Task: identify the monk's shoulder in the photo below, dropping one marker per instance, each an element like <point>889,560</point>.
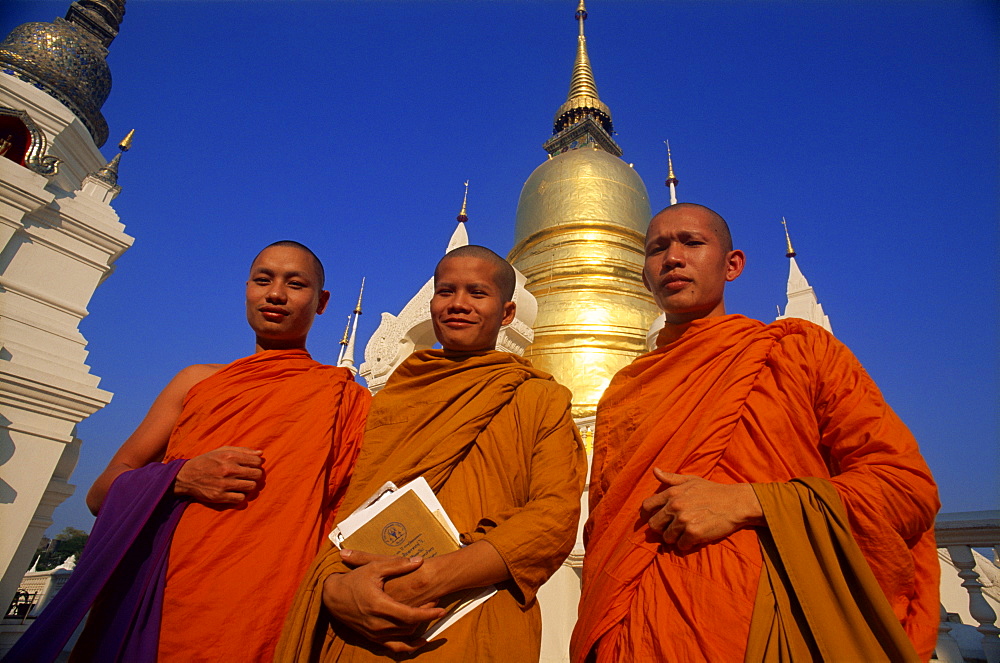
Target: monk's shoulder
<point>543,395</point>
<point>195,373</point>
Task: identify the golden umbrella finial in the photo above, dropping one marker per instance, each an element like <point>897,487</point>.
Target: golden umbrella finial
<point>126,143</point>
<point>462,217</point>
<point>671,178</point>
<point>788,240</point>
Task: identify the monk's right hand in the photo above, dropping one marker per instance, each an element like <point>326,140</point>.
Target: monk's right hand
<point>357,600</point>
<point>222,476</point>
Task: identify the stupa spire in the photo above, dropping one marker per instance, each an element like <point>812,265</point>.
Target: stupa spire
<point>344,339</point>
<point>109,173</point>
<point>672,181</point>
<point>583,119</point>
<point>462,216</point>
<point>347,359</point>
<point>790,253</point>
<point>802,301</point>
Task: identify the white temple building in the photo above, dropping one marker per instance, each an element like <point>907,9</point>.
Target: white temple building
<point>60,238</point>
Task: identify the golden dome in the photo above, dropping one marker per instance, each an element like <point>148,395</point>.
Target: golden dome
<point>580,230</point>
<point>585,185</point>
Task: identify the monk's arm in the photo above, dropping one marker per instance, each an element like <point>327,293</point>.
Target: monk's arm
<point>476,565</point>
<point>200,478</point>
<point>875,461</point>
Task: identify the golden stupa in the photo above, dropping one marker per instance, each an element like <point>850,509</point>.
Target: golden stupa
<point>579,235</point>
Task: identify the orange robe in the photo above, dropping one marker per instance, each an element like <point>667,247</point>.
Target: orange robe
<point>232,572</point>
<point>495,439</point>
<point>737,401</point>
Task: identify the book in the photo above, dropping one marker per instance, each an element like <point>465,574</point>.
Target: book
<point>407,522</point>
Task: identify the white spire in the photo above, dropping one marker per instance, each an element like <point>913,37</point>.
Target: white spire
<point>802,301</point>
<point>347,357</point>
<point>672,181</point>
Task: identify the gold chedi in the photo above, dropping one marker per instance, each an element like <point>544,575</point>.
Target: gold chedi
<point>580,228</point>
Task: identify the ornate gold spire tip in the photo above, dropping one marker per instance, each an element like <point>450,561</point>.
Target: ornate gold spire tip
<point>357,309</point>
<point>462,216</point>
<point>788,240</point>
<point>347,331</point>
<point>671,178</point>
<point>126,143</point>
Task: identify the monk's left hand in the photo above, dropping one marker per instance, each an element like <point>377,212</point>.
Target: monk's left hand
<point>692,511</point>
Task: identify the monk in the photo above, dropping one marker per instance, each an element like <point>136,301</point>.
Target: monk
<point>246,464</point>
<point>495,439</point>
<point>752,496</point>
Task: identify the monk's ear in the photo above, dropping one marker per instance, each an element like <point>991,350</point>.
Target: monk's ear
<point>645,281</point>
<point>509,311</point>
<point>324,299</point>
<point>735,261</point>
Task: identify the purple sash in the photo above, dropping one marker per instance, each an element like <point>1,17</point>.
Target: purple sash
<point>121,574</point>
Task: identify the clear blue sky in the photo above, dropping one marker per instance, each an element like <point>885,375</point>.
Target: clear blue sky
<point>871,126</point>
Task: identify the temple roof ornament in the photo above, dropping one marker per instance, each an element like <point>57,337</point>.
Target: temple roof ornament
<point>671,181</point>
<point>109,173</point>
<point>347,353</point>
<point>583,119</point>
<point>790,253</point>
<point>29,143</point>
<point>67,58</point>
<point>462,216</point>
<point>802,301</point>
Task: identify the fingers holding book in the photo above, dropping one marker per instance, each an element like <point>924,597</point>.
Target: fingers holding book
<point>358,599</point>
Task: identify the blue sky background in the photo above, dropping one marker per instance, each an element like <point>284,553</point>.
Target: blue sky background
<point>351,126</point>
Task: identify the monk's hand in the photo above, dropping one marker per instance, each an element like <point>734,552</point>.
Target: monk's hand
<point>690,511</point>
<point>358,600</point>
<point>222,476</point>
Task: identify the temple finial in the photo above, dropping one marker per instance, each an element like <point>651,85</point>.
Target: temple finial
<point>462,217</point>
<point>347,356</point>
<point>126,143</point>
<point>582,100</point>
<point>344,339</point>
<point>788,240</point>
<point>109,173</point>
<point>672,180</point>
<point>361,293</point>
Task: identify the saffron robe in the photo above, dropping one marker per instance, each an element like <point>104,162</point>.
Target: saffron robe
<point>232,571</point>
<point>496,442</point>
<point>736,401</point>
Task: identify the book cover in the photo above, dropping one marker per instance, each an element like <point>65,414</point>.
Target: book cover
<point>405,528</point>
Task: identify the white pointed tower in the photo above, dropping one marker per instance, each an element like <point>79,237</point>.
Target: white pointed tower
<point>60,237</point>
<point>671,181</point>
<point>802,302</point>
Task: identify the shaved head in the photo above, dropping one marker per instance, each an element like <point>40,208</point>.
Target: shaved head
<point>503,273</point>
<point>317,263</point>
<point>718,224</point>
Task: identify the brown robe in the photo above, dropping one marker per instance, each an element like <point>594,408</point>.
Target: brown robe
<point>495,439</point>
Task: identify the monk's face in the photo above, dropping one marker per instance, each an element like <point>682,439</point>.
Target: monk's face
<point>468,308</point>
<point>283,297</point>
<point>687,265</point>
